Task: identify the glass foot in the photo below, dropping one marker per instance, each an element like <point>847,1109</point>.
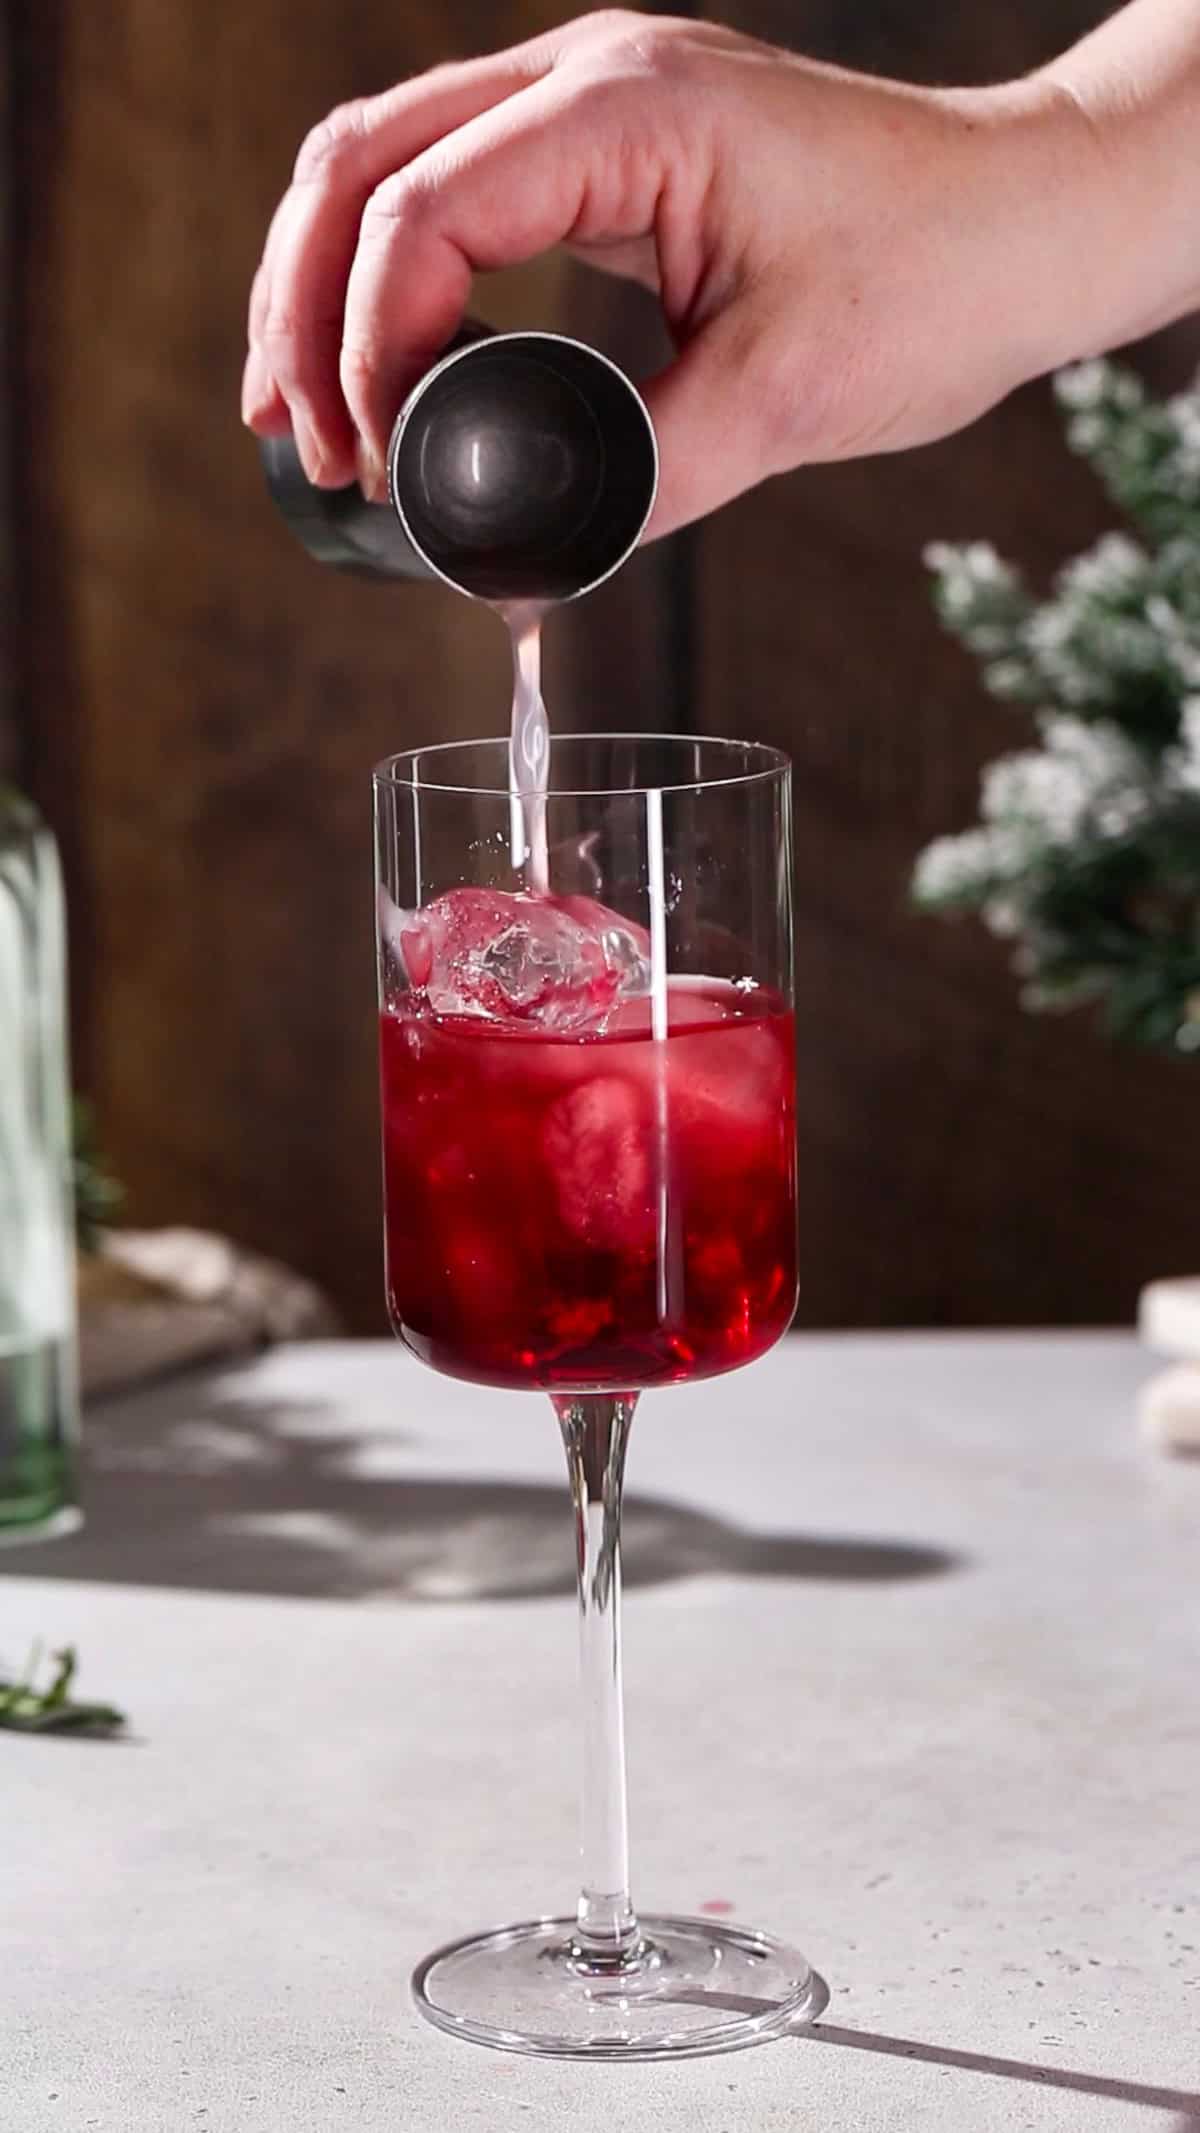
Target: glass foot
<point>47,1526</point>
<point>693,1987</point>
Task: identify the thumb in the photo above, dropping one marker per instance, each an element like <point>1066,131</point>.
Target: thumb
<point>712,419</point>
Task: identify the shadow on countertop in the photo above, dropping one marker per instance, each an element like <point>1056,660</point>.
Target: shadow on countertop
<point>187,1486</point>
<point>1109,2088</point>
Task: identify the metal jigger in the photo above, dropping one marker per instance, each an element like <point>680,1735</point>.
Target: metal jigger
<point>522,467</point>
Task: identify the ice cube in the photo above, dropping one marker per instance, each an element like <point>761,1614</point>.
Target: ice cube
<point>729,1099</point>
<point>559,964</point>
<point>484,1279</point>
<point>626,946</point>
<point>597,1144</point>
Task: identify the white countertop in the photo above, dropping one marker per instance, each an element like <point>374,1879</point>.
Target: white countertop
<point>913,1673</point>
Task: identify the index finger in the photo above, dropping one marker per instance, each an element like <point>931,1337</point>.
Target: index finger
<point>296,314</point>
<point>538,169</point>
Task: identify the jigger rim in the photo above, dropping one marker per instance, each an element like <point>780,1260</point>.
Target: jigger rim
<point>489,343</point>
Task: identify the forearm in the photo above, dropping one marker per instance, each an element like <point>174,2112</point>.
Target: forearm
<point>1127,133</point>
<point>846,265</point>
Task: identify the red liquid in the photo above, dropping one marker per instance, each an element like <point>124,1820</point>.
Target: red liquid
<point>594,1213</point>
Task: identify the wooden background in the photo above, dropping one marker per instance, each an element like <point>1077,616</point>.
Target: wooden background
<point>197,707</point>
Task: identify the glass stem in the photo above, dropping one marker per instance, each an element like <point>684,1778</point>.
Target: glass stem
<point>595,1429</point>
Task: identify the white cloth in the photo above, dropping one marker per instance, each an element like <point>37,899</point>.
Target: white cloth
<point>153,1301</point>
<point>1169,1406</point>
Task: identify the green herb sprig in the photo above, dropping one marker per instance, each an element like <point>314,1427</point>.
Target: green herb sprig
<point>26,1708</point>
<point>98,1194</point>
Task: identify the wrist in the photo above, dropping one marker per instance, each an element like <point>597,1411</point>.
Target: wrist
<point>1107,201</point>
<point>1046,212</point>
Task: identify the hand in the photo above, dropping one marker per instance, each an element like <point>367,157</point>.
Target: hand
<point>846,265</point>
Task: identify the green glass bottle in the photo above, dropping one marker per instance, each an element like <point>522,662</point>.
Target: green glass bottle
<point>39,1405</point>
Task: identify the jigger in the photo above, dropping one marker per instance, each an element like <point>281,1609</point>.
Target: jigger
<point>522,467</point>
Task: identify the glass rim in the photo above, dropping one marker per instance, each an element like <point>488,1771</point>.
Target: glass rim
<point>771,763</point>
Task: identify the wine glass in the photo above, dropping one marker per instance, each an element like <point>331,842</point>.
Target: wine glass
<point>589,1177</point>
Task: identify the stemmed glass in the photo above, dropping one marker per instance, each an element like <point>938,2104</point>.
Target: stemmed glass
<point>589,1170</point>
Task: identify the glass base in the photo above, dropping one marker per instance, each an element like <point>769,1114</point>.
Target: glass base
<point>693,1987</point>
<point>43,1526</point>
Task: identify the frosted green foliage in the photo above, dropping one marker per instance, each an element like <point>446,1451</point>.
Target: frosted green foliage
<point>1087,853</point>
<point>1146,452</point>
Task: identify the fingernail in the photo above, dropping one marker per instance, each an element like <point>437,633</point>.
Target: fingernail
<point>258,388</point>
<point>312,458</point>
<point>372,475</point>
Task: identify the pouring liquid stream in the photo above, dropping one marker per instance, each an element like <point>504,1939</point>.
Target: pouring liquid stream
<point>528,781</point>
<point>529,747</point>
